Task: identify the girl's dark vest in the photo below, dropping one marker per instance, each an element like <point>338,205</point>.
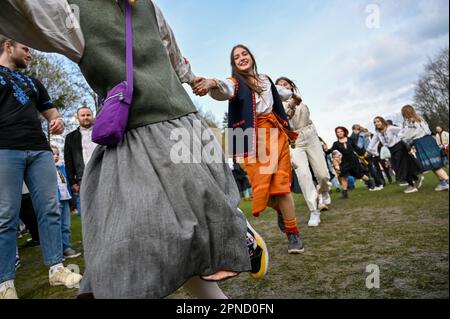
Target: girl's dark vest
<point>242,119</point>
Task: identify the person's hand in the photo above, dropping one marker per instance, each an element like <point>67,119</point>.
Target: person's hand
<point>197,81</point>
<point>201,88</point>
<point>76,188</point>
<point>57,126</point>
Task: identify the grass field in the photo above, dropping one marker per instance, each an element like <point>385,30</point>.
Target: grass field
<point>407,236</point>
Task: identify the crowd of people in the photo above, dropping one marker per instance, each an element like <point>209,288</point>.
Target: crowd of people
<point>150,225</point>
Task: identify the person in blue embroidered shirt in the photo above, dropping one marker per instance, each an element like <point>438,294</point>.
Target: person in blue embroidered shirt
<point>25,155</point>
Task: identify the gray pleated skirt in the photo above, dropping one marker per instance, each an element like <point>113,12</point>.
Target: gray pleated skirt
<point>149,224</point>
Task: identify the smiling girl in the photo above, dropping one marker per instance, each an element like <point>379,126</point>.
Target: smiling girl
<point>256,108</point>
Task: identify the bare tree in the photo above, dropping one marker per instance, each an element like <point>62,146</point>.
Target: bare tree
<point>432,91</point>
<point>64,83</point>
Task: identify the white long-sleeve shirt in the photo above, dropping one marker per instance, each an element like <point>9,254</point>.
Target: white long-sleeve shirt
<point>389,138</point>
<point>264,102</point>
<point>302,116</point>
<point>413,131</point>
<point>43,25</point>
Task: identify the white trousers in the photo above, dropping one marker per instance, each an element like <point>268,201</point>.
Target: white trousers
<point>308,151</point>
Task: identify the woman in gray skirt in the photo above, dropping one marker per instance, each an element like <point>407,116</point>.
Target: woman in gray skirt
<point>159,212</point>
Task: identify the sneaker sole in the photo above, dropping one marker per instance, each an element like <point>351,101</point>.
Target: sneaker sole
<point>72,257</point>
<point>296,251</point>
<point>265,257</point>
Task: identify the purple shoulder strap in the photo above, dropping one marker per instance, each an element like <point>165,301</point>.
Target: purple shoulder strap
<point>129,40</point>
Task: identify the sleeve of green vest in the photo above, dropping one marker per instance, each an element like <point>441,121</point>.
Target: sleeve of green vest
<point>180,64</point>
<point>45,25</point>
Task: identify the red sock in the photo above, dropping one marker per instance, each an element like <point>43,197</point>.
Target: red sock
<point>291,226</point>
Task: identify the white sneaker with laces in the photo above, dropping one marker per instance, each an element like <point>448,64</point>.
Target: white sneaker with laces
<point>314,221</point>
<point>443,186</point>
<point>64,277</point>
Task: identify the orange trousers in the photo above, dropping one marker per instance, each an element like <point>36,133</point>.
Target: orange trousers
<point>269,169</point>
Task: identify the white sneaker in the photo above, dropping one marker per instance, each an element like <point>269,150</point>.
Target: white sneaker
<point>8,293</point>
<point>376,189</point>
<point>326,198</point>
<point>419,183</point>
<point>314,221</point>
<point>411,190</point>
<point>442,187</point>
<point>64,277</point>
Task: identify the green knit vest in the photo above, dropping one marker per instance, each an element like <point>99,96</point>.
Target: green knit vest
<point>158,93</point>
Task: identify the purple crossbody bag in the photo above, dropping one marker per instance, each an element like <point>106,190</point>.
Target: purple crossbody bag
<point>112,120</point>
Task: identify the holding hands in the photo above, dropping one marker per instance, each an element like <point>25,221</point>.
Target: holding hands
<point>202,86</point>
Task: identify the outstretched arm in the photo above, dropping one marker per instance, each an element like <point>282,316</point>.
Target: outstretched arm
<point>217,89</point>
<point>372,148</point>
<point>45,25</point>
<point>179,63</point>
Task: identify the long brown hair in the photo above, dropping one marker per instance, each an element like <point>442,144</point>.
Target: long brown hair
<point>383,121</point>
<point>246,77</point>
<point>410,114</point>
<point>291,83</point>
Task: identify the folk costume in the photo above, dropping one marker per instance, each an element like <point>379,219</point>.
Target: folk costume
<point>149,224</point>
<point>265,147</point>
<point>428,153</point>
<point>404,165</point>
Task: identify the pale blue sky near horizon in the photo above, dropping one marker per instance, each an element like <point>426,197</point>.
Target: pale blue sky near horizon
<point>347,72</point>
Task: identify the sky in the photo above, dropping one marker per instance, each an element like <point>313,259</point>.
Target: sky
<point>352,59</point>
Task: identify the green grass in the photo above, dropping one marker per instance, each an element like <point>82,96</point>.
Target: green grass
<point>407,236</point>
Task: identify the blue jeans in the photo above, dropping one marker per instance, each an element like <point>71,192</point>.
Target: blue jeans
<point>76,197</point>
<point>64,209</point>
<point>38,171</point>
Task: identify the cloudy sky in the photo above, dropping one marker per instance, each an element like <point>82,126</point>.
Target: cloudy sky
<point>353,59</point>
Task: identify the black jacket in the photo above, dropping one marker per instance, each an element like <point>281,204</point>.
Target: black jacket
<point>73,157</point>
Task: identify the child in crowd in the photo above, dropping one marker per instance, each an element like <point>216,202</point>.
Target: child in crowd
<point>64,197</point>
